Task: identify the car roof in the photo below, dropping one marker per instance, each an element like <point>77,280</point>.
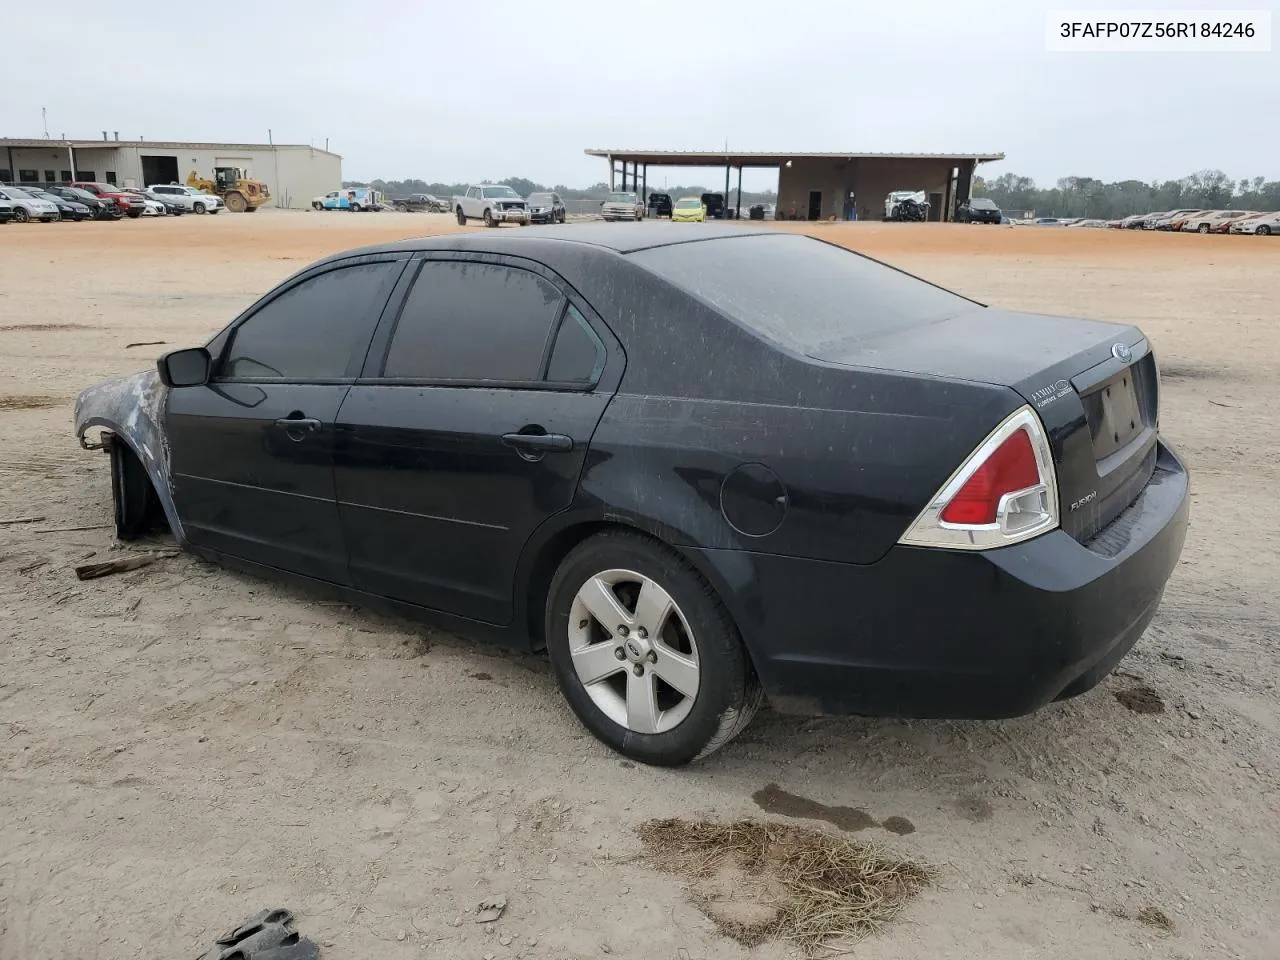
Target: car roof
<point>614,237</point>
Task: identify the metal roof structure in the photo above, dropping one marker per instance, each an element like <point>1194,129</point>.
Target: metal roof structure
<point>39,142</point>
<point>737,158</point>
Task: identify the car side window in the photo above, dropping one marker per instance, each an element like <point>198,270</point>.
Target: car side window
<point>311,330</point>
<point>473,321</point>
<point>578,355</point>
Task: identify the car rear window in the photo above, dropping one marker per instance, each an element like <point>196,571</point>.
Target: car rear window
<point>805,294</point>
<point>982,203</point>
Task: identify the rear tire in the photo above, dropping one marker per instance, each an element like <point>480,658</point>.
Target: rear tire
<point>625,576</point>
<point>462,218</point>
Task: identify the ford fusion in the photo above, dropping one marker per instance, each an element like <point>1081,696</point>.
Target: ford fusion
<point>699,470</point>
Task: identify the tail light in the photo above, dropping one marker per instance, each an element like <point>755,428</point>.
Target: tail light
<point>1004,493</point>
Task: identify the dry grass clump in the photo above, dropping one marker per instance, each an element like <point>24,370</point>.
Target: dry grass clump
<point>1155,917</point>
<point>759,881</point>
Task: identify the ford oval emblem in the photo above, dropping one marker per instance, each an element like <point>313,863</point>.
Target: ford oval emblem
<point>1121,352</point>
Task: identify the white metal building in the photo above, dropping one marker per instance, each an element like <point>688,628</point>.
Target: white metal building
<point>293,173</point>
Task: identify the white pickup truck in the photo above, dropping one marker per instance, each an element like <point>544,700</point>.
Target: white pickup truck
<point>494,203</point>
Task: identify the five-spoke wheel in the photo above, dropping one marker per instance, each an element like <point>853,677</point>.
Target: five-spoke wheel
<point>645,652</point>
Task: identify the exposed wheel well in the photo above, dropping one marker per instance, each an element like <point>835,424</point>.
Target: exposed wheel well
<point>136,505</point>
<point>544,568</point>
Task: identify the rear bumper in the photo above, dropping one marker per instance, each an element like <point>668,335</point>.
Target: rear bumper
<point>937,633</point>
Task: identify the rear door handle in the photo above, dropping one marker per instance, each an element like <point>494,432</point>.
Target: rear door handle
<point>296,427</point>
<point>539,442</point>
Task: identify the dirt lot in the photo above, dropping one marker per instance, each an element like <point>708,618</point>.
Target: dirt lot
<point>181,746</point>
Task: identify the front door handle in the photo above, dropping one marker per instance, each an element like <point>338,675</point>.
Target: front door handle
<point>539,442</point>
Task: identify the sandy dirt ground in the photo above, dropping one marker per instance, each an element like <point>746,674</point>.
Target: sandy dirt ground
<point>182,746</point>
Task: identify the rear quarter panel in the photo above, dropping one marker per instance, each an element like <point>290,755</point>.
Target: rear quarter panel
<point>858,452</point>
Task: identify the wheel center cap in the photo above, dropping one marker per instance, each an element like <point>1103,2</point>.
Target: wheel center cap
<point>636,648</point>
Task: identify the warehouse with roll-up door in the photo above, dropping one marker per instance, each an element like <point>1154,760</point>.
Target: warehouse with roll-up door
<point>293,173</point>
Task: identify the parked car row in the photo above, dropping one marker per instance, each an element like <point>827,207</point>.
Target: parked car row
<point>1185,221</point>
<point>1202,221</point>
<point>90,200</point>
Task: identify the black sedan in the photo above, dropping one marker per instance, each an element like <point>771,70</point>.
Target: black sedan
<point>697,470</point>
<point>67,209</point>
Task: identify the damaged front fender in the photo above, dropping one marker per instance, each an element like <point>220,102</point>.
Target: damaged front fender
<point>132,410</point>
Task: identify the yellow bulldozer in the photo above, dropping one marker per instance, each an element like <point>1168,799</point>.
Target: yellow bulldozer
<point>238,192</point>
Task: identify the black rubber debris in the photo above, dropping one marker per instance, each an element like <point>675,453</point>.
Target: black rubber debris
<point>268,935</point>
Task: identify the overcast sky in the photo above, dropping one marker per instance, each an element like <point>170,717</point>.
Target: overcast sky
<point>454,92</point>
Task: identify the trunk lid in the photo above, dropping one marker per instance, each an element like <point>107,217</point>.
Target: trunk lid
<point>1093,384</point>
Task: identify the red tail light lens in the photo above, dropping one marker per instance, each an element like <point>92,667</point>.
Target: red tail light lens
<point>1005,492</point>
<point>1010,469</point>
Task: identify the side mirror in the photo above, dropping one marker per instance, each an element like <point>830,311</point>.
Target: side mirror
<point>185,368</point>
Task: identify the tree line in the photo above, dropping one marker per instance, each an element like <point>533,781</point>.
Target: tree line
<point>524,187</point>
<point>1089,197</point>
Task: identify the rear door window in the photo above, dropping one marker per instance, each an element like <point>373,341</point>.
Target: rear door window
<point>805,294</point>
<point>313,330</point>
<point>473,322</point>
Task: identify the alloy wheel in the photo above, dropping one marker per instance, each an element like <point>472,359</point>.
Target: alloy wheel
<point>633,651</point>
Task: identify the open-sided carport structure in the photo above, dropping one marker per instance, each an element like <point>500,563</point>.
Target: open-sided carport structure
<point>818,186</point>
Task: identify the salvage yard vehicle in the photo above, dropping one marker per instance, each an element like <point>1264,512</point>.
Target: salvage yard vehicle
<point>1206,221</point>
<point>978,210</point>
<point>494,203</point>
<point>27,207</point>
<point>905,205</point>
<point>660,205</point>
<point>188,198</point>
<point>415,202</point>
<point>622,205</point>
<point>713,206</point>
<point>688,210</point>
<point>102,208</point>
<point>131,204</point>
<point>151,206</point>
<point>1262,225</point>
<point>67,209</point>
<point>546,207</point>
<point>520,438</point>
